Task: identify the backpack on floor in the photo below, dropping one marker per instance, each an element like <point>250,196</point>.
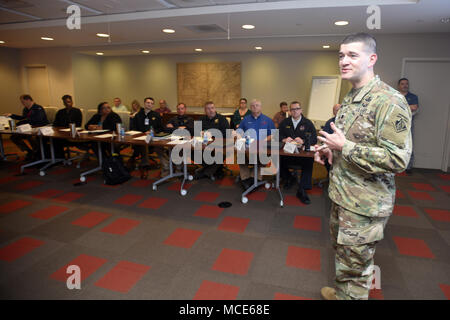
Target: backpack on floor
<point>114,172</point>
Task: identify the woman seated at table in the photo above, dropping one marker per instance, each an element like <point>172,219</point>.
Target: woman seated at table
<point>104,119</point>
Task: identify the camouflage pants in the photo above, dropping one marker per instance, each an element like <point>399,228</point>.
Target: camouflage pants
<point>354,238</point>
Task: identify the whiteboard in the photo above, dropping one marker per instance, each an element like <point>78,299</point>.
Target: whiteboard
<point>324,95</point>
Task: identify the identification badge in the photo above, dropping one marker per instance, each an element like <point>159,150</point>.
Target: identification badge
<point>302,128</point>
<point>216,121</point>
<point>147,122</point>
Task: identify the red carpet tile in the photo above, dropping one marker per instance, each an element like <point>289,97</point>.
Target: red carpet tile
<point>257,195</point>
<point>446,290</point>
<point>142,183</point>
<point>216,291</point>
<point>129,199</point>
<point>285,296</point>
<point>208,211</point>
<point>303,258</point>
<point>402,174</point>
<point>399,194</point>
<point>69,197</point>
<point>176,186</point>
<point>8,179</point>
<point>88,265</point>
<point>207,196</point>
<point>123,276</point>
<point>91,219</point>
<point>423,186</point>
<point>153,203</point>
<point>13,206</point>
<point>233,261</point>
<point>315,191</point>
<point>444,176</point>
<point>308,223</point>
<point>413,247</point>
<point>48,212</point>
<point>121,226</point>
<point>226,182</point>
<point>420,195</point>
<point>155,174</point>
<point>376,294</point>
<point>405,211</point>
<point>47,194</point>
<point>19,248</point>
<point>183,238</point>
<point>233,224</point>
<point>446,188</point>
<point>293,201</point>
<point>439,215</point>
<point>60,171</point>
<point>28,185</point>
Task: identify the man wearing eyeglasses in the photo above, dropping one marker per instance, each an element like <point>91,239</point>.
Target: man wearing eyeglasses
<point>297,129</point>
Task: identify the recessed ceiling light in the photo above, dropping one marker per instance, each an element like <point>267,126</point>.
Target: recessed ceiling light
<point>145,51</point>
<point>168,30</point>
<point>258,48</point>
<point>47,38</point>
<point>99,53</point>
<point>341,23</point>
<point>103,35</point>
<point>1,41</point>
<point>325,47</point>
<point>248,26</point>
<point>199,50</point>
<point>445,20</point>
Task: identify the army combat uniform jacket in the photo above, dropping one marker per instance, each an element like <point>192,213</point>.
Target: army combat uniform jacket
<point>376,121</point>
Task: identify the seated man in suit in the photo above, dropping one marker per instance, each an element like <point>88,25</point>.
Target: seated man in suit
<point>180,121</point>
<point>212,120</point>
<point>64,117</point>
<point>145,120</point>
<point>104,119</point>
<point>297,129</point>
<point>34,115</point>
<point>262,125</point>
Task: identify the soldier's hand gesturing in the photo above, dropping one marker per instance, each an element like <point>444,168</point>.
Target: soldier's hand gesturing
<point>333,141</point>
<point>323,154</point>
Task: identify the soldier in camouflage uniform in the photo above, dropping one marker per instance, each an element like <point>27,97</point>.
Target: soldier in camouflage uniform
<point>371,142</point>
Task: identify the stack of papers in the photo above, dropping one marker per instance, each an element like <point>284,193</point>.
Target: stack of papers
<point>132,133</point>
<point>140,138</point>
<point>107,135</point>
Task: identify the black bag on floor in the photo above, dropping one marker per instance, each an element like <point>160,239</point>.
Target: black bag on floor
<point>114,172</point>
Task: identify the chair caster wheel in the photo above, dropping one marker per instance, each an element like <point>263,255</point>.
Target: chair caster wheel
<point>213,179</point>
<point>244,200</point>
<point>154,188</point>
<point>42,173</point>
<point>190,177</point>
<point>267,185</point>
<point>183,192</point>
<point>281,203</point>
<point>83,179</point>
<point>69,163</point>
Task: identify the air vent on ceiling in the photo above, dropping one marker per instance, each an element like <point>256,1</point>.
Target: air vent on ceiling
<point>205,28</point>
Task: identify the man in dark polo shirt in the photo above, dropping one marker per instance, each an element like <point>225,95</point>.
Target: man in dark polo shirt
<point>180,121</point>
<point>64,117</point>
<point>212,120</point>
<point>413,101</point>
<point>297,129</point>
<point>34,115</point>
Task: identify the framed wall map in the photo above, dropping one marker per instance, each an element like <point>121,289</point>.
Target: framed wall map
<point>216,81</point>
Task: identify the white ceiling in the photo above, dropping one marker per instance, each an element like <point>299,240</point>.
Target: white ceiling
<point>281,25</point>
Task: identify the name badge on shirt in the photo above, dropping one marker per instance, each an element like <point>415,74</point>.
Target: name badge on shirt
<point>146,122</point>
<point>153,118</point>
<point>302,128</point>
<point>287,127</point>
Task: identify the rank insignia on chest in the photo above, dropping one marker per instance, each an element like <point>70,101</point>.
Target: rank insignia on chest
<point>302,128</point>
<point>400,123</point>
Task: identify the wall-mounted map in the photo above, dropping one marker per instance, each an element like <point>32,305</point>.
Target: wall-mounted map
<point>200,82</point>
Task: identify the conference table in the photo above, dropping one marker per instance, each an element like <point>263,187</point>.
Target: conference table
<point>104,136</point>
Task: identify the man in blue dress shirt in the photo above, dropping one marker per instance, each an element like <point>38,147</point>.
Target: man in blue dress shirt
<point>261,124</point>
<point>413,101</point>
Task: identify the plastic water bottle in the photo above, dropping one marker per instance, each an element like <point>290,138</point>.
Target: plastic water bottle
<point>247,140</point>
<point>205,138</point>
<point>152,133</point>
<point>122,132</point>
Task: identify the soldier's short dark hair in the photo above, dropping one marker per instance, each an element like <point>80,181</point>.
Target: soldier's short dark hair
<point>208,102</point>
<point>402,80</point>
<point>283,103</point>
<point>370,44</point>
<point>66,96</point>
<point>296,102</point>
<point>149,98</point>
<point>26,97</point>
